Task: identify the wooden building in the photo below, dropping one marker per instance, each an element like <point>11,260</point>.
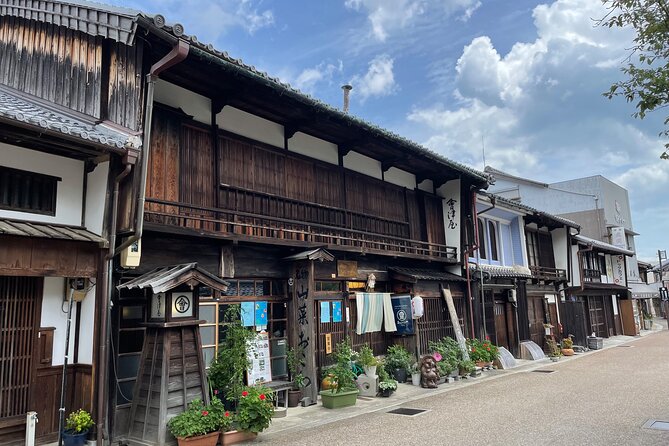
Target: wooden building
<point>294,203</point>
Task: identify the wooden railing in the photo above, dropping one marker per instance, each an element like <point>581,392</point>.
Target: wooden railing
<point>235,224</point>
<point>546,273</point>
<point>592,275</point>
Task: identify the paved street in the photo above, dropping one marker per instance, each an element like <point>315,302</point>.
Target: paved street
<point>603,398</point>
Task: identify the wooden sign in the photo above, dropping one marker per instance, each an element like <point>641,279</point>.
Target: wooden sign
<point>448,297</point>
<point>328,343</point>
<point>347,268</point>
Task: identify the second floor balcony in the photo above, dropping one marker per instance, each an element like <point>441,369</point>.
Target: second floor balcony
<point>548,273</point>
<point>592,275</point>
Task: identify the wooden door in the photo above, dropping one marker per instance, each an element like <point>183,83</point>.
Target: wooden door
<point>596,316</point>
<point>20,306</point>
<point>501,330</point>
<point>536,315</point>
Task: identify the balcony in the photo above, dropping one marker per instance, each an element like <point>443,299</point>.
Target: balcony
<point>230,224</point>
<point>546,273</point>
<point>592,275</point>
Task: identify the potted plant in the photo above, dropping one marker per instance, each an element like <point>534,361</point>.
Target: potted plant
<point>397,361</point>
<point>465,367</point>
<point>553,350</point>
<point>415,374</point>
<point>387,387</point>
<point>196,426</point>
<point>343,391</point>
<point>567,345</point>
<point>223,416</point>
<point>367,360</point>
<point>647,321</point>
<point>254,414</point>
<point>77,425</point>
<point>294,359</point>
<point>448,355</point>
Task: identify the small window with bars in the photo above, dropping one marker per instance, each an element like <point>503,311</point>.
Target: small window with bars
<point>25,191</point>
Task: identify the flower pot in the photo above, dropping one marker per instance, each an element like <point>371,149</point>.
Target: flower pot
<point>400,375</point>
<point>327,383</point>
<point>386,392</point>
<point>554,358</point>
<point>72,439</point>
<point>370,370</point>
<point>294,397</point>
<point>209,439</point>
<point>234,437</point>
<point>415,379</point>
<point>568,351</point>
<point>481,364</point>
<point>335,400</point>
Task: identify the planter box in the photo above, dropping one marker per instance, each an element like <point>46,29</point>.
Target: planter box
<point>336,400</point>
<point>595,343</point>
<point>234,437</point>
<point>202,440</point>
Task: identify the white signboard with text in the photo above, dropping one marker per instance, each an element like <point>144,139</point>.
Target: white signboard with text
<point>618,269</point>
<point>260,370</point>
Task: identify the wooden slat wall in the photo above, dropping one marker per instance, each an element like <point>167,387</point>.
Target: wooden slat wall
<point>413,214</point>
<point>125,85</point>
<point>197,184</point>
<point>54,63</point>
<point>434,219</point>
<point>163,175</point>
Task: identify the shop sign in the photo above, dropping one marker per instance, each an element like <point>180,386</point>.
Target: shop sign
<point>403,315</point>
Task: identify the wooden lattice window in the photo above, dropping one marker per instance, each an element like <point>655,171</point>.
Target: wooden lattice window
<point>25,191</point>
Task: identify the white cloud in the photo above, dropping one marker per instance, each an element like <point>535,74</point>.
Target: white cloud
<point>387,16</point>
<point>309,78</point>
<point>378,81</point>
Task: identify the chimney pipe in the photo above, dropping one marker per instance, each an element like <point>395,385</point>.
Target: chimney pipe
<point>347,89</point>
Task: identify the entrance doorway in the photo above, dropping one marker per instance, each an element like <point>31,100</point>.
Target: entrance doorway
<point>536,315</point>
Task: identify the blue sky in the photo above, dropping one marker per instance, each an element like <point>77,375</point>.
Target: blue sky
<point>521,78</point>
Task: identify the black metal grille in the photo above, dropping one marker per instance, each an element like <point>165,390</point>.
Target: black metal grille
<point>543,371</point>
<point>407,411</point>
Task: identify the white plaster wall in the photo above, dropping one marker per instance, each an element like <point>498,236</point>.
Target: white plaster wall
<point>400,177</point>
<point>363,164</point>
<point>53,316</point>
<point>314,148</point>
<point>614,301</point>
<point>193,104</point>
<point>251,126</point>
<point>427,186</point>
<point>575,274</point>
<point>96,196</point>
<point>86,328</point>
<point>559,237</point>
<point>69,196</point>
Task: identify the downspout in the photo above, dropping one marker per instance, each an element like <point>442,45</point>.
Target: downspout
<point>176,55</point>
<point>493,203</point>
<point>467,253</point>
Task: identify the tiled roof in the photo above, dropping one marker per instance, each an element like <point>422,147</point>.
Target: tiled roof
<point>21,108</point>
<point>427,274</point>
<point>88,14</point>
<point>168,277</point>
<point>530,209</point>
<point>24,228</point>
<point>501,271</point>
<point>602,245</point>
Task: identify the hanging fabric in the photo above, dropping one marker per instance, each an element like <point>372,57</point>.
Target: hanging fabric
<point>374,311</point>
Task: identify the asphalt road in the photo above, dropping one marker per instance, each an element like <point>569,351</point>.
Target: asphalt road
<point>603,398</point>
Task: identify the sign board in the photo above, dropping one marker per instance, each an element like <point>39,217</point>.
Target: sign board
<point>618,238</point>
<point>158,306</point>
<point>347,268</point>
<point>182,304</point>
<point>452,213</point>
<point>260,370</point>
<point>618,269</point>
<point>448,297</point>
<point>403,314</point>
<point>328,343</point>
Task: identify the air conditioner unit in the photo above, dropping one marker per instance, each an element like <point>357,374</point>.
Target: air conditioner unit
<point>131,255</point>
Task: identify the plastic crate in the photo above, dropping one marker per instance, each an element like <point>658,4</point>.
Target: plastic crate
<point>595,343</point>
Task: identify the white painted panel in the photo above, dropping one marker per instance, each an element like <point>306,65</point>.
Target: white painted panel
<point>251,126</point>
<point>550,298</point>
<point>614,301</point>
<point>86,328</point>
<point>559,237</point>
<point>427,186</point>
<point>53,316</point>
<point>575,273</point>
<point>400,177</point>
<point>314,148</point>
<point>363,164</point>
<point>95,198</point>
<point>193,104</point>
<point>69,197</point>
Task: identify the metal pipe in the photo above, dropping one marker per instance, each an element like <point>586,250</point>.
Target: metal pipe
<point>466,254</point>
<point>63,382</point>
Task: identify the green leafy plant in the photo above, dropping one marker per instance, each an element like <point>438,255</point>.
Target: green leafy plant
<point>295,364</point>
<point>397,358</point>
<point>389,384</point>
<point>552,348</point>
<point>221,415</point>
<point>466,367</point>
<point>343,377</point>
<point>366,357</point>
<point>227,370</point>
<point>483,351</point>
<point>447,353</point>
<point>194,421</point>
<point>381,372</point>
<point>254,409</point>
<point>415,368</point>
<point>567,343</point>
<point>78,421</point>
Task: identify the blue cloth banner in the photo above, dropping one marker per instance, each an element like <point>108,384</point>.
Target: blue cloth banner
<point>402,313</point>
<point>336,311</point>
<point>247,314</point>
<point>325,312</point>
<point>261,313</point>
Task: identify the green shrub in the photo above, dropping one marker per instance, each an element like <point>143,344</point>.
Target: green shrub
<point>78,421</point>
<point>254,409</point>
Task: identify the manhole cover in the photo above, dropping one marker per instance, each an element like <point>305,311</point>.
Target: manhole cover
<point>625,346</point>
<point>543,371</point>
<point>657,424</point>
<point>407,411</point>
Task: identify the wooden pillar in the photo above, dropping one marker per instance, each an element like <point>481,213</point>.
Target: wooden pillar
<point>304,324</point>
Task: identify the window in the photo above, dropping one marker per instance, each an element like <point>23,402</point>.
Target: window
<point>532,248</point>
<point>25,191</point>
<point>492,236</point>
<point>482,250</point>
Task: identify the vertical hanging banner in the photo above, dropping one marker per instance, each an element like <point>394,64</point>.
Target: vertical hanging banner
<point>261,313</point>
<point>248,314</point>
<point>403,315</point>
<point>325,312</point>
<point>336,312</point>
<point>619,270</point>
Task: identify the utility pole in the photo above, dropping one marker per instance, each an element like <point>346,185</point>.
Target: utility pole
<point>663,294</point>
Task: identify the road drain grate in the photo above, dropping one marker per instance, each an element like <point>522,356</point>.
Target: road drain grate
<point>407,411</point>
<point>624,346</point>
<point>543,371</point>
<point>657,425</point>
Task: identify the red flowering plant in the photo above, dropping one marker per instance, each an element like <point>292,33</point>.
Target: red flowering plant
<point>254,409</point>
<point>197,420</point>
<point>223,416</point>
<point>482,351</point>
